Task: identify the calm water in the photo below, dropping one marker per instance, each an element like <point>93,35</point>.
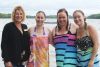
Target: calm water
<point>31,22</point>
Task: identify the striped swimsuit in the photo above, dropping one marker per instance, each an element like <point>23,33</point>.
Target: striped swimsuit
<point>65,50</point>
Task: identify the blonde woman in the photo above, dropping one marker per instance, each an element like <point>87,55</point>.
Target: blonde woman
<point>15,40</point>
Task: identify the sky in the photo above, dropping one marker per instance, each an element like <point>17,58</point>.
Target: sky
<point>50,7</point>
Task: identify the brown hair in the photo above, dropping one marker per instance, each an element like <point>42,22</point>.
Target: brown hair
<point>15,9</point>
<point>41,12</point>
<point>80,11</point>
<point>63,10</point>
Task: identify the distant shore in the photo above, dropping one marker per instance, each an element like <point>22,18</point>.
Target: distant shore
<point>92,16</point>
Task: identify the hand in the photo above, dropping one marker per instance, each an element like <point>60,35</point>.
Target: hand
<point>30,64</point>
<point>91,63</point>
<point>8,64</point>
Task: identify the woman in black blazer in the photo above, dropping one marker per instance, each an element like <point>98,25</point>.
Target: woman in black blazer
<point>15,40</point>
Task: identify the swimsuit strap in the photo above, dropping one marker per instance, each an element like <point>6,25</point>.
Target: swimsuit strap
<point>43,30</point>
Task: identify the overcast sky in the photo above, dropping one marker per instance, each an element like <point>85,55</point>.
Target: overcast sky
<point>50,7</point>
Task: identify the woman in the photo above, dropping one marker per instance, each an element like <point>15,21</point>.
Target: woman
<point>15,40</point>
<point>39,42</point>
<point>87,42</point>
<point>63,37</point>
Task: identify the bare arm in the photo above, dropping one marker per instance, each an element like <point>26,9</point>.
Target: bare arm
<point>50,38</point>
<point>51,35</point>
<point>94,36</point>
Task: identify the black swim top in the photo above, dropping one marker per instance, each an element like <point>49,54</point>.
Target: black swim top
<point>84,43</point>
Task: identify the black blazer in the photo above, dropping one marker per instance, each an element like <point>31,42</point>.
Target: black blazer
<point>15,45</point>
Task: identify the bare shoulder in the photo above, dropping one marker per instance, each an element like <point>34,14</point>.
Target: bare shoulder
<point>74,25</point>
<point>73,28</point>
<point>31,29</point>
<point>91,28</point>
<point>53,31</point>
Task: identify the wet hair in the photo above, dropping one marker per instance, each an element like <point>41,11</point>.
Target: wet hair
<point>14,11</point>
<point>80,11</point>
<point>65,11</point>
<point>42,13</point>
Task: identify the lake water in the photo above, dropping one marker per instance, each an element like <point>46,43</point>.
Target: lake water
<point>31,22</point>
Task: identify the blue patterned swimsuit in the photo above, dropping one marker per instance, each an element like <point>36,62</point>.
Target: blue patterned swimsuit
<point>65,50</point>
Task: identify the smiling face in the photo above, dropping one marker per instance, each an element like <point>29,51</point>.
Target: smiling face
<point>40,18</point>
<point>79,18</point>
<point>62,18</point>
<point>18,17</point>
